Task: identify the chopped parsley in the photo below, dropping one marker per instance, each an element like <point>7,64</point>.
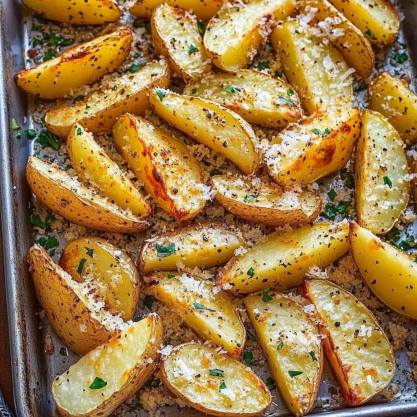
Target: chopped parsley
<point>393,234</point>
<point>316,131</point>
<point>49,54</point>
<point>332,194</point>
<point>192,49</point>
<point>201,27</point>
<point>233,90</point>
<point>400,58</point>
<point>215,171</point>
<point>332,210</point>
<point>47,140</point>
<point>148,301</point>
<point>90,252</point>
<point>405,245</point>
<point>201,307</point>
<point>250,335</point>
<point>160,94</point>
<point>370,34</point>
<point>222,386</point>
<point>348,178</point>
<point>48,243</point>
<point>78,98</point>
<point>292,374</point>
<point>163,251</point>
<point>79,131</point>
<point>361,86</point>
<point>270,383</point>
<point>216,372</point>
<point>278,74</point>
<point>286,101</point>
<point>388,182</point>
<point>290,92</point>
<point>98,383</point>
<point>142,23</point>
<point>193,91</point>
<point>251,272</point>
<point>248,357</point>
<point>63,351</point>
<point>35,220</point>
<point>280,346</point>
<point>134,67</point>
<point>262,65</point>
<point>137,319</point>
<point>326,132</point>
<point>171,276</point>
<point>153,383</point>
<point>81,265</point>
<point>30,133</point>
<point>248,198</point>
<point>313,356</point>
<point>15,125</point>
<point>265,296</point>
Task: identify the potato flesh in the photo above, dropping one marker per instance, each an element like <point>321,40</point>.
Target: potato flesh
<point>382,190</point>
<point>182,293</point>
<point>304,153</point>
<point>281,321</point>
<point>356,346</point>
<point>202,246</point>
<point>317,71</point>
<point>281,259</point>
<point>212,125</point>
<point>266,203</point>
<point>99,111</point>
<point>255,96</point>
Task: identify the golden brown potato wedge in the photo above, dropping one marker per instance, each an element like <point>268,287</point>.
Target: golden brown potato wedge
<point>382,187</point>
<point>76,67</point>
<point>347,38</point>
<point>100,381</point>
<point>281,259</point>
<point>237,31</point>
<point>355,344</point>
<point>214,383</point>
<point>257,97</point>
<point>77,12</point>
<point>292,345</point>
<point>389,96</point>
<point>204,307</point>
<point>205,245</point>
<point>264,202</point>
<point>78,204</point>
<point>390,273</point>
<point>94,259</point>
<point>176,36</point>
<point>314,147</point>
<point>210,124</point>
<point>95,168</point>
<point>99,111</point>
<point>317,70</point>
<point>163,164</point>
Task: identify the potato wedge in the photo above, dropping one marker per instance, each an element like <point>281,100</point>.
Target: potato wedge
<point>94,167</point>
<point>292,344</point>
<point>213,383</point>
<point>265,202</point>
<point>95,259</point>
<point>391,274</point>
<point>100,381</point>
<point>314,147</point>
<point>176,36</point>
<point>210,124</point>
<point>75,317</point>
<point>77,12</point>
<point>237,31</point>
<point>355,344</point>
<point>347,38</point>
<point>99,111</point>
<point>78,204</point>
<point>382,188</point>
<point>377,19</point>
<point>389,96</point>
<point>257,97</point>
<point>203,9</point>
<point>76,67</point>
<point>317,70</point>
<point>207,310</point>
<point>205,245</point>
<point>281,259</point>
<point>163,164</point>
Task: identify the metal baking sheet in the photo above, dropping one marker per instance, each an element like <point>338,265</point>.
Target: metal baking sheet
<point>33,370</point>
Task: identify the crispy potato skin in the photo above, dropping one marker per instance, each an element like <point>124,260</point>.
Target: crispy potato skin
<point>353,356</point>
<point>70,199</point>
<point>203,394</point>
<point>77,12</point>
<point>390,273</point>
<point>77,66</point>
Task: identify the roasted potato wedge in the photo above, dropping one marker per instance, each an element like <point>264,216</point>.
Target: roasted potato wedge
<point>203,9</point>
<point>257,97</point>
<point>100,381</point>
<point>292,345</point>
<point>94,167</point>
<point>317,70</point>
<point>76,67</point>
<point>206,309</point>
<point>391,274</point>
<point>176,36</point>
<point>75,317</point>
<point>355,344</point>
<point>94,259</point>
<point>77,12</point>
<point>281,259</point>
<point>214,383</point>
<point>163,164</point>
<point>382,188</point>
<point>205,245</point>
<point>99,111</point>
<point>238,30</point>
<point>78,204</point>
<point>389,96</point>
<point>347,38</point>
<point>377,19</point>
<point>265,202</point>
<point>210,124</point>
<point>314,147</point>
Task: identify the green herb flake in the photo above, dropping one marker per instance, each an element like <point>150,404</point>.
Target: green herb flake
<point>49,54</point>
<point>332,194</point>
<point>192,49</point>
<point>198,306</point>
<point>250,335</point>
<point>170,276</point>
<point>81,266</point>
<point>47,140</point>
<point>90,252</point>
<point>193,91</point>
<point>134,67</point>
<point>48,243</point>
<point>348,178</point>
<point>30,133</point>
<point>233,90</point>
<point>63,351</point>
<point>36,220</point>
<point>388,182</point>
<point>201,28</point>
<point>262,65</point>
<point>393,235</point>
<point>15,125</point>
<point>148,301</point>
<point>326,132</point>
<point>270,383</point>
<point>331,210</point>
<point>265,296</point>
<point>79,131</point>
<point>316,131</point>
<point>290,92</point>
<point>370,34</point>
<point>98,383</point>
<point>215,171</point>
<point>278,74</point>
<point>216,372</point>
<point>280,346</point>
<point>248,198</point>
<point>78,98</point>
<point>222,386</point>
<point>163,251</point>
<point>251,272</point>
<point>361,86</point>
<point>400,58</point>
<point>137,319</point>
<point>160,94</point>
<point>313,356</point>
<point>292,374</point>
<point>248,357</point>
<point>87,106</point>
